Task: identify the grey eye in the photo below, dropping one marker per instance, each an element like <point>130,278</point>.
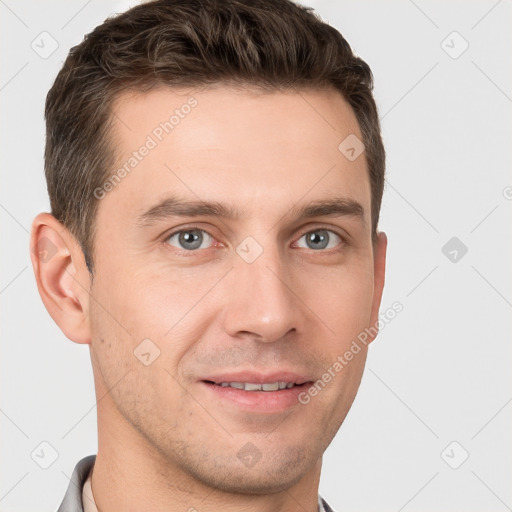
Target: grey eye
<point>320,239</point>
<point>189,239</point>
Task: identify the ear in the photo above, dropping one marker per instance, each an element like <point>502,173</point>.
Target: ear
<point>379,270</point>
<point>63,279</point>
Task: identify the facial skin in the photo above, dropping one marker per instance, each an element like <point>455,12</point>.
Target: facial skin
<point>164,435</point>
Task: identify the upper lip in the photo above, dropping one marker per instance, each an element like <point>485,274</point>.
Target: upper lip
<point>258,377</point>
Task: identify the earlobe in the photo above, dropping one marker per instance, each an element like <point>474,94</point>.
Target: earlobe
<point>61,275</point>
<point>379,271</point>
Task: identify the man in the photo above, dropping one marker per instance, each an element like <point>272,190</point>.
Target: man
<point>215,172</point>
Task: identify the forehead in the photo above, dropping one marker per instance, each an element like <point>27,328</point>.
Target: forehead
<point>252,150</point>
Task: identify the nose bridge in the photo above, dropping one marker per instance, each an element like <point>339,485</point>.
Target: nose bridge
<point>261,302</point>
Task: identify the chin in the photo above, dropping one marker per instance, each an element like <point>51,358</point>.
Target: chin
<point>250,482</point>
<point>274,472</point>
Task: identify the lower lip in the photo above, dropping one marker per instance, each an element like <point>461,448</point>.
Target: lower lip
<point>258,401</point>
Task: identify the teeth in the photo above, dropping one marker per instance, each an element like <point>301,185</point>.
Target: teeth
<point>251,386</point>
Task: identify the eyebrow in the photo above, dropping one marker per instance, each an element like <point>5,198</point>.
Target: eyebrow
<point>175,207</point>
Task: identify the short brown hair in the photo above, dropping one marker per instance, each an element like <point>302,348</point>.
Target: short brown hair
<point>272,45</point>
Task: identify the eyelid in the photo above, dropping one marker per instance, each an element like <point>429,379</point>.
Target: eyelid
<point>341,233</point>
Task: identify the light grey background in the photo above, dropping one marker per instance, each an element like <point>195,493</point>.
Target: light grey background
<point>438,373</point>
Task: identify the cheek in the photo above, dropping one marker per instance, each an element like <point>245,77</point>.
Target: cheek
<point>143,305</point>
<point>146,313</point>
<point>342,300</point>
<point>136,365</point>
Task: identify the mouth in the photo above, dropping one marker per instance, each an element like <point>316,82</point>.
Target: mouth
<point>255,393</point>
<point>253,386</point>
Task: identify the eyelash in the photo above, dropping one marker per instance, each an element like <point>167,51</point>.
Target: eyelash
<point>344,242</point>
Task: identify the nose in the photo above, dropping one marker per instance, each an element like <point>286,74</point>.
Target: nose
<point>262,303</point>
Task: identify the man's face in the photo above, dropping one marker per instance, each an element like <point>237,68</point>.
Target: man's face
<point>261,297</point>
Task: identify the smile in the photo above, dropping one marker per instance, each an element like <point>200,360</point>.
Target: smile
<point>251,386</point>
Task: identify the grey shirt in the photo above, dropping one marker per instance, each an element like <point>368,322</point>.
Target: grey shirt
<point>73,502</point>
